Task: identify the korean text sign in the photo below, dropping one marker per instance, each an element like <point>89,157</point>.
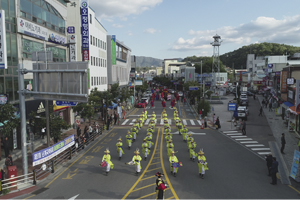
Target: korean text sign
<point>3,57</point>
<point>284,76</point>
<point>85,30</point>
<point>44,155</point>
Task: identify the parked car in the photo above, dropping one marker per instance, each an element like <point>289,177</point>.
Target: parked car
<point>141,104</point>
<point>146,99</point>
<point>244,100</point>
<point>242,112</point>
<point>180,93</point>
<point>249,93</point>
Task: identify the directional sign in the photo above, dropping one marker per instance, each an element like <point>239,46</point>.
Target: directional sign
<point>231,106</point>
<point>65,103</point>
<point>130,84</point>
<point>193,88</point>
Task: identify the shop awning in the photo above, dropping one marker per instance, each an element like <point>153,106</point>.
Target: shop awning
<point>293,110</point>
<point>288,104</point>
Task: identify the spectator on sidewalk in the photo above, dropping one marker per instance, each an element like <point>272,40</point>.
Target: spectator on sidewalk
<point>6,147</point>
<point>270,107</point>
<point>78,131</point>
<point>263,102</point>
<point>282,143</point>
<point>274,170</point>
<point>260,111</point>
<point>218,125</point>
<point>90,129</point>
<point>269,163</point>
<point>244,127</point>
<point>2,175</point>
<point>108,121</point>
<point>205,122</point>
<point>116,117</point>
<point>9,161</point>
<point>43,132</point>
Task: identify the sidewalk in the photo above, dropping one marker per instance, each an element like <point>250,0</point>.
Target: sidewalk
<point>277,126</point>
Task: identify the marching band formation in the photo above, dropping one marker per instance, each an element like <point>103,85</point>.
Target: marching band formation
<point>147,144</point>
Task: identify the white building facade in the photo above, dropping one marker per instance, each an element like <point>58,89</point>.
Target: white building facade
<point>96,48</point>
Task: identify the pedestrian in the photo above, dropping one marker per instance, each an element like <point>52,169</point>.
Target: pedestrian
<point>218,125</point>
<point>6,146</point>
<point>116,117</point>
<point>108,122</point>
<point>269,159</point>
<point>263,102</point>
<point>205,122</point>
<point>43,131</point>
<point>274,170</point>
<point>260,111</point>
<point>2,174</point>
<point>78,131</point>
<point>85,130</point>
<point>90,130</point>
<point>107,159</point>
<point>160,186</point>
<point>270,106</point>
<point>9,161</point>
<point>282,143</point>
<point>244,127</point>
<point>254,96</point>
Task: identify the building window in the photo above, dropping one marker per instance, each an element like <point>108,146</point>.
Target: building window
<point>91,60</point>
<point>91,39</point>
<point>96,41</point>
<point>90,18</point>
<point>94,61</point>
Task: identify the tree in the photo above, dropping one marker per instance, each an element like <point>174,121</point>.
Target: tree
<point>57,124</point>
<point>85,110</point>
<point>205,107</point>
<point>8,119</point>
<point>125,93</point>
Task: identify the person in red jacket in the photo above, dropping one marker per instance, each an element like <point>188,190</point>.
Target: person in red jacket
<point>173,103</point>
<point>152,103</point>
<point>163,103</point>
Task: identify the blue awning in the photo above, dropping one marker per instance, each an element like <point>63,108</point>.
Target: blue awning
<point>288,104</point>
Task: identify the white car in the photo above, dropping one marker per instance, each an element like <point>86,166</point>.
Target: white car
<point>180,94</point>
<point>242,112</point>
<point>145,99</point>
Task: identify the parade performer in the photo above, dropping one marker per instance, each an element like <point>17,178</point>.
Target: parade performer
<point>120,148</point>
<point>175,111</point>
<point>173,163</point>
<point>160,186</point>
<point>129,139</point>
<point>146,149</point>
<point>137,161</point>
<point>146,114</point>
<point>176,118</point>
<point>141,121</point>
<point>167,130</point>
<point>162,96</point>
<point>152,103</point>
<point>149,140</point>
<point>192,148</point>
<point>154,115</point>
<point>164,115</point>
<point>106,158</point>
<point>137,126</point>
<point>164,104</point>
<point>133,133</point>
<point>150,130</point>
<point>202,164</point>
<point>152,124</point>
<point>170,147</point>
<point>176,123</point>
<point>179,126</point>
<point>172,103</point>
<point>189,140</point>
<point>168,137</point>
<point>184,133</point>
<point>166,124</point>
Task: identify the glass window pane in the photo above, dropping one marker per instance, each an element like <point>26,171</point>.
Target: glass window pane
<point>8,49</point>
<point>16,88</point>
<point>14,51</point>
<point>36,11</point>
<point>1,85</point>
<point>37,2</point>
<point>1,71</point>
<point>9,87</point>
<point>15,72</point>
<point>9,71</point>
<point>12,8</point>
<point>25,6</point>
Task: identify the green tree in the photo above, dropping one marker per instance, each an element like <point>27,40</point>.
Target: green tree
<point>85,110</point>
<point>8,119</point>
<point>205,107</point>
<point>57,124</point>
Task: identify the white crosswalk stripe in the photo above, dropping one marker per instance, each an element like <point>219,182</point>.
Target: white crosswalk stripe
<point>184,122</point>
<point>244,139</point>
<point>238,136</point>
<point>125,121</point>
<point>249,142</point>
<point>161,121</point>
<point>192,122</point>
<point>132,122</point>
<point>233,134</point>
<point>263,153</point>
<point>170,121</point>
<point>147,121</point>
<point>200,123</point>
<point>229,131</point>
<point>260,149</point>
<point>254,145</point>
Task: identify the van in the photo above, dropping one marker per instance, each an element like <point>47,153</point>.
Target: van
<point>242,112</point>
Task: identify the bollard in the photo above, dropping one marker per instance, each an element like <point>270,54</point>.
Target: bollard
<point>34,177</point>
<point>52,170</point>
<point>70,153</point>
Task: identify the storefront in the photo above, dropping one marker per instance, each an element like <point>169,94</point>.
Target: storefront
<point>63,112</point>
<point>293,124</point>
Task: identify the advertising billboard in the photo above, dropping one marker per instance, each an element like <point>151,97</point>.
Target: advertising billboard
<point>284,76</point>
<point>3,57</point>
<point>114,49</point>
<point>85,30</point>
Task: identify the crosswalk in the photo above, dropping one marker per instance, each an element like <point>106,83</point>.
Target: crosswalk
<point>187,122</point>
<point>248,142</point>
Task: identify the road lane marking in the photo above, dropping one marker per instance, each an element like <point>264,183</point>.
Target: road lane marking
<point>192,122</point>
<point>184,122</point>
<point>254,145</point>
<point>30,196</point>
<point>171,197</point>
<point>125,121</point>
<point>148,195</point>
<point>161,121</point>
<point>71,174</point>
<point>244,139</point>
<point>263,153</point>
<point>147,121</point>
<point>229,131</point>
<point>239,136</point>
<point>249,142</point>
<point>200,123</point>
<point>139,179</point>
<point>155,163</point>
<point>234,134</point>
<point>132,122</point>
<point>143,187</point>
<point>164,170</point>
<point>153,169</point>
<point>260,149</point>
<point>79,158</point>
<point>170,121</point>
<point>294,189</point>
<point>148,178</point>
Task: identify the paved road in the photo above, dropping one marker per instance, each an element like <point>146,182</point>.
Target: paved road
<point>235,171</point>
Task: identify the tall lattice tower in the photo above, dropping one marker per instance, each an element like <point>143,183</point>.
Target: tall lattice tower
<point>216,59</point>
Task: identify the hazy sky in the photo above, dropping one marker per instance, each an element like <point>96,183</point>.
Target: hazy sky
<point>181,28</point>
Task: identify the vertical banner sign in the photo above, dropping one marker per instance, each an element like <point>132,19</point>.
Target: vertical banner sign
<point>72,49</point>
<point>85,30</point>
<point>297,96</point>
<point>295,164</point>
<point>3,58</point>
<point>284,75</point>
<point>241,77</point>
<point>114,49</point>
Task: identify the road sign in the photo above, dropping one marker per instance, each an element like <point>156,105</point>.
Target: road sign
<point>138,82</point>
<point>65,103</point>
<point>231,106</point>
<point>193,88</point>
<point>130,84</point>
<point>71,29</point>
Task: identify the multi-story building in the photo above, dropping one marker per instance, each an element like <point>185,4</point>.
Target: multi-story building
<point>118,62</point>
<point>171,65</point>
<point>91,45</point>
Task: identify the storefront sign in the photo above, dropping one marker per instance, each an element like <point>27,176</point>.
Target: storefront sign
<point>297,96</point>
<point>284,75</point>
<point>291,94</point>
<point>32,29</point>
<point>71,29</point>
<point>55,38</point>
<point>85,30</point>
<point>72,49</point>
<point>3,57</point>
<point>3,99</point>
<point>270,65</point>
<point>231,106</point>
<point>44,155</point>
<point>295,165</point>
<point>257,82</point>
<point>277,74</point>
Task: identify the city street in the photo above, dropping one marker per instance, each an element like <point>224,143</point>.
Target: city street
<point>235,171</point>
